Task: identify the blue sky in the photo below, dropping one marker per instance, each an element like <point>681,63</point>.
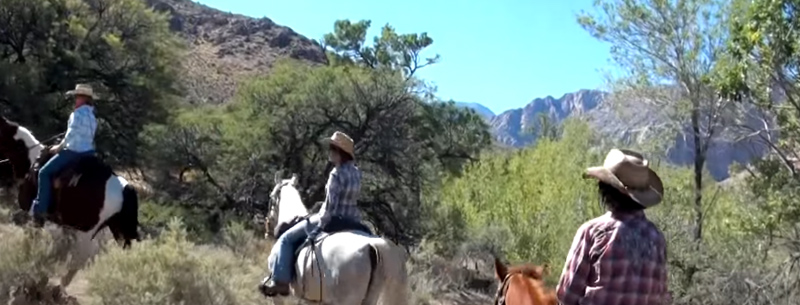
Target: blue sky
<point>500,53</point>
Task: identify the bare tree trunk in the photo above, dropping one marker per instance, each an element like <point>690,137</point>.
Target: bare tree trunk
<point>699,162</point>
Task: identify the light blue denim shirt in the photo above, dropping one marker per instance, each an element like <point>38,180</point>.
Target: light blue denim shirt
<point>80,130</point>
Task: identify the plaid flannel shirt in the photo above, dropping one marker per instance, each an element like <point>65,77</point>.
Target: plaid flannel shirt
<point>342,190</point>
<point>616,259</point>
<point>80,129</point>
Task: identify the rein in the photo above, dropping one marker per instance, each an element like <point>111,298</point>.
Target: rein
<point>500,296</point>
<point>37,144</point>
<point>313,249</point>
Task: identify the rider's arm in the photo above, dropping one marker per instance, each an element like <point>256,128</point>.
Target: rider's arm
<point>61,144</point>
<point>572,285</point>
<point>662,274</point>
<point>332,199</point>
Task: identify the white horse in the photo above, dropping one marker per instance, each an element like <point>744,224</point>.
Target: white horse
<point>112,203</point>
<point>357,268</point>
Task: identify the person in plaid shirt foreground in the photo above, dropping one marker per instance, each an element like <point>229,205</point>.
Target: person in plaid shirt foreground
<point>619,258</point>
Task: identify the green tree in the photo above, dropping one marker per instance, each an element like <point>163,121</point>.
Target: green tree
<point>763,49</point>
<point>544,128</point>
<point>278,121</point>
<point>121,47</point>
<point>402,52</point>
<point>667,49</point>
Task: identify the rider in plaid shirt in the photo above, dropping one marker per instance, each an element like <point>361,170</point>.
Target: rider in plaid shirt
<point>344,185</point>
<point>619,258</point>
<point>342,189</point>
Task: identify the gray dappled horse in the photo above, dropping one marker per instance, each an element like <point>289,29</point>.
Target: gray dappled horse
<point>87,195</point>
<point>357,268</point>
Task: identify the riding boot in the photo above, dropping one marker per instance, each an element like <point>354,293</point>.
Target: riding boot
<point>37,218</point>
<point>270,288</point>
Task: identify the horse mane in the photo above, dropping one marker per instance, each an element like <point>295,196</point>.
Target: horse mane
<point>529,270</point>
<point>531,281</point>
<point>290,205</point>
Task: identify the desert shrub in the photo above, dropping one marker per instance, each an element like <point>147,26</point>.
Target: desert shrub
<point>171,270</point>
<point>27,259</point>
<point>245,243</point>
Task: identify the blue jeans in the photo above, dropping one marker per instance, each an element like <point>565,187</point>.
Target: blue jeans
<point>284,262</point>
<point>56,164</point>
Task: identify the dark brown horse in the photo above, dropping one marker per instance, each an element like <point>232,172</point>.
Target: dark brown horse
<point>87,195</point>
<point>522,285</point>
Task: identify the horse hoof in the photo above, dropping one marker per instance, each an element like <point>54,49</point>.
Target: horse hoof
<point>19,218</point>
<point>263,290</point>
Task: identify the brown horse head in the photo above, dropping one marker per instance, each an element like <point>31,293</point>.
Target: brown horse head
<point>18,149</point>
<point>522,285</point>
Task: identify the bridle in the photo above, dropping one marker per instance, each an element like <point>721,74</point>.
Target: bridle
<point>273,207</point>
<point>500,296</point>
<point>28,148</point>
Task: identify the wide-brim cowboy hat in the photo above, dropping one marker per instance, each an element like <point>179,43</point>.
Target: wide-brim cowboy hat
<point>343,142</point>
<point>82,89</point>
<point>629,172</point>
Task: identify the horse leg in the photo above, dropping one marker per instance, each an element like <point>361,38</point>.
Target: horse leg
<point>391,273</point>
<point>82,253</point>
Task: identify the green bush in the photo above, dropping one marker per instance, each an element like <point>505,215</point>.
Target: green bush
<point>172,270</point>
<point>27,259</point>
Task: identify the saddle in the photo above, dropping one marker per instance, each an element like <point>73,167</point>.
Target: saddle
<point>88,168</point>
<point>335,225</point>
<point>78,182</point>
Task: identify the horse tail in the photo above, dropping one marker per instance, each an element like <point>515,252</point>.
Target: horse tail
<point>389,278</point>
<point>129,215</point>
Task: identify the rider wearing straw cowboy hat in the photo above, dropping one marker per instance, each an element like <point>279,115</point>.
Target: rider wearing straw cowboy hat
<point>78,141</point>
<point>620,257</point>
<point>342,190</point>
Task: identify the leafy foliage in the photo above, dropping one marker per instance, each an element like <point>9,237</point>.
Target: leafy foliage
<point>121,47</point>
<point>402,141</point>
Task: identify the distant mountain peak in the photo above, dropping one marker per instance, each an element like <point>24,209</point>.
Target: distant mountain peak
<point>484,111</point>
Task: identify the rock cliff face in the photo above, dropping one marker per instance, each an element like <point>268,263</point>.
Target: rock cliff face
<point>510,126</point>
<point>224,47</point>
<point>636,125</point>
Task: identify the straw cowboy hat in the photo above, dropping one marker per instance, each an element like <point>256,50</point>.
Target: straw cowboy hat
<point>628,171</point>
<point>82,89</point>
<point>343,142</point>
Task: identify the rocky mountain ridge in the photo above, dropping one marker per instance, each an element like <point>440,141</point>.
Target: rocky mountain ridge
<point>222,48</point>
<point>510,128</point>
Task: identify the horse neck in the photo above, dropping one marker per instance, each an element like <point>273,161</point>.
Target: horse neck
<point>534,288</point>
<point>33,148</point>
<point>291,205</point>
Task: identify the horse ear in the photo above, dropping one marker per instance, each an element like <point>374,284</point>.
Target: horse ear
<point>294,180</point>
<point>500,269</point>
<point>277,177</point>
